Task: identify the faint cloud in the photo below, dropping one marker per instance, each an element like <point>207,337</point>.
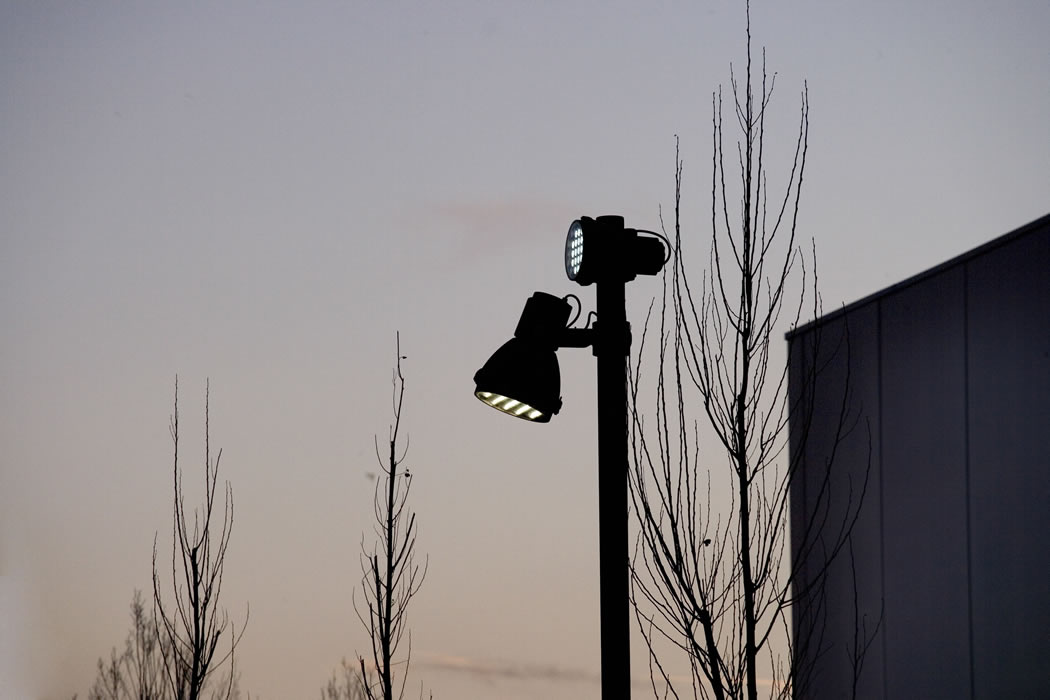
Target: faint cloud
<point>490,227</point>
<point>491,670</point>
<point>495,669</point>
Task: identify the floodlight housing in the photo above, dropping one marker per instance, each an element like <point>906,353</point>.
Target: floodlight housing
<point>597,249</point>
<point>522,378</point>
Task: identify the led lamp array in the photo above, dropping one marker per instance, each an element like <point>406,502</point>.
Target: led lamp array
<point>509,405</point>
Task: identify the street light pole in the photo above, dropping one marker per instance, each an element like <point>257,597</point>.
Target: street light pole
<point>612,348</point>
<point>522,379</point>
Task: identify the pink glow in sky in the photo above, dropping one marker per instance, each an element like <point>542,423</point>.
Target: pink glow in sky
<point>263,193</point>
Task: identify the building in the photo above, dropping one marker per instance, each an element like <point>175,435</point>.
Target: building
<point>945,379</point>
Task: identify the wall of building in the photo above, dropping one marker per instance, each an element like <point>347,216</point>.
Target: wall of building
<point>946,383</point>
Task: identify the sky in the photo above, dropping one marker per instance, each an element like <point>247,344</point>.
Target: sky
<point>261,195</point>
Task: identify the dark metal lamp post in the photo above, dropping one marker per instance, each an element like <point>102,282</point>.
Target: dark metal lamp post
<point>522,379</point>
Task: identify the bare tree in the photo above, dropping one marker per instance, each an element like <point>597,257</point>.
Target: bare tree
<point>390,574</point>
<point>192,627</point>
<point>137,672</point>
<point>716,580</point>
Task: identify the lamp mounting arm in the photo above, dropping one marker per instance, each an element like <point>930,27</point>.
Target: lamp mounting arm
<point>576,337</point>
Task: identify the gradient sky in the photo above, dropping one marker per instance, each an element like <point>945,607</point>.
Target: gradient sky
<point>263,193</point>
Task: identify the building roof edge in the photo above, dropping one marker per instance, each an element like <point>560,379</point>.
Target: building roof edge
<point>1020,232</point>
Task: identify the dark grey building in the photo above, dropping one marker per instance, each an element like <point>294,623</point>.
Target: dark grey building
<point>946,378</point>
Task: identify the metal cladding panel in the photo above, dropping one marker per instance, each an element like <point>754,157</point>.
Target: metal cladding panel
<point>1009,426</point>
<point>835,417</point>
<point>926,625</point>
<point>960,414</point>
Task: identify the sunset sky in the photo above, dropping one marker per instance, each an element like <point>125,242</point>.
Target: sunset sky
<point>264,193</point>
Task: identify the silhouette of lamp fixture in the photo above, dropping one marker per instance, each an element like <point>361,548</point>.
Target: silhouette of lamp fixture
<point>522,379</point>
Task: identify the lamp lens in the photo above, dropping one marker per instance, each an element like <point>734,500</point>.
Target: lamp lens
<point>574,250</point>
<point>509,405</point>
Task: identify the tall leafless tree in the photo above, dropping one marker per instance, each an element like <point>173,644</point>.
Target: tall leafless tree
<point>710,578</point>
<point>193,626</point>
<point>391,575</point>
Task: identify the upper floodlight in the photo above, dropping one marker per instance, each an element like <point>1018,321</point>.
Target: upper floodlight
<point>597,249</point>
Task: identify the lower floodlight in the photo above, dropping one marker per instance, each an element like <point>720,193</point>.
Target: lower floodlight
<point>521,379</point>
